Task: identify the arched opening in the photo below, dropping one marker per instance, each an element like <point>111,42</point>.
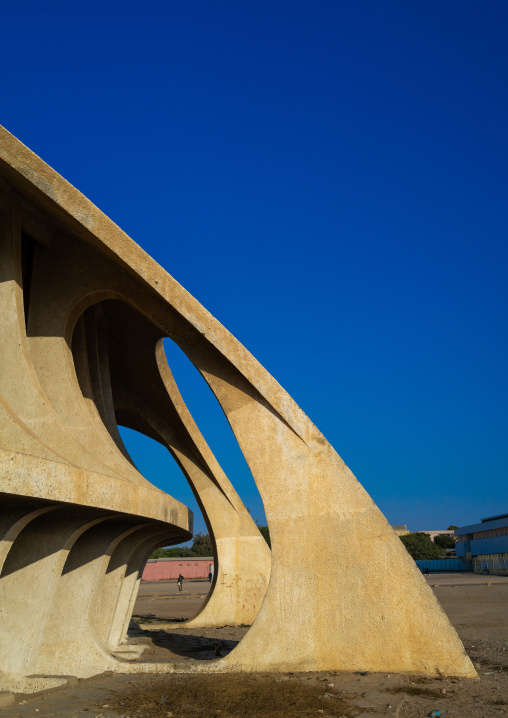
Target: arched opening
<point>159,598</point>
<point>212,422</point>
<point>113,348</point>
<point>122,370</point>
<point>153,460</point>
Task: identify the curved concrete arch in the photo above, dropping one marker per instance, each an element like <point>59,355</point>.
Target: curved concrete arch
<point>16,514</point>
<point>18,385</point>
<point>104,600</point>
<point>134,571</point>
<point>19,382</point>
<point>90,423</point>
<point>35,560</point>
<point>134,565</point>
<point>73,620</point>
<point>43,465</point>
<point>311,499</point>
<point>244,559</point>
<point>13,519</point>
<point>242,556</point>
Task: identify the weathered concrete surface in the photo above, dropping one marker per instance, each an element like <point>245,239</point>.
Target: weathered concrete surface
<point>244,559</point>
<point>83,312</point>
<point>76,357</point>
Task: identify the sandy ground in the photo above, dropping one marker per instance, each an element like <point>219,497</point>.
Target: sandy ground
<point>476,605</point>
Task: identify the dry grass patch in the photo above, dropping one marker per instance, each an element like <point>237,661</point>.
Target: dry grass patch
<point>420,679</point>
<point>417,691</point>
<point>495,666</point>
<point>225,696</point>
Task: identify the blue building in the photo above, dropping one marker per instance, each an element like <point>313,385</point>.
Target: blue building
<point>485,544</point>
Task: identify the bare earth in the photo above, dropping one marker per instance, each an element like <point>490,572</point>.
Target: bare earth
<point>476,605</point>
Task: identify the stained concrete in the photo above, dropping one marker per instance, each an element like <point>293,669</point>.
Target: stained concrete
<point>83,313</point>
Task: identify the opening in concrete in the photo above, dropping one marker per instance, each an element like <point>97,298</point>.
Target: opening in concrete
<point>213,424</point>
<point>113,348</point>
<point>159,596</point>
<point>154,462</point>
<point>244,561</point>
<point>125,374</point>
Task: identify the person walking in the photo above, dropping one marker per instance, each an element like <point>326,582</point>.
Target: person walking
<point>179,582</point>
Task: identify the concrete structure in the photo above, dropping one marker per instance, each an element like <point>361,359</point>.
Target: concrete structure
<point>401,530</point>
<point>165,569</point>
<point>485,544</point>
<point>83,314</point>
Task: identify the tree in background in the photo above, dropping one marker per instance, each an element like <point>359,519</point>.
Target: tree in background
<point>158,553</point>
<point>452,528</point>
<point>420,546</point>
<point>201,546</point>
<point>445,541</point>
<point>265,533</point>
<point>173,552</point>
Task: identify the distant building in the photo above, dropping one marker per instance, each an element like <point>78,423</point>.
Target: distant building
<point>433,534</point>
<point>163,569</point>
<point>401,530</point>
<point>485,544</point>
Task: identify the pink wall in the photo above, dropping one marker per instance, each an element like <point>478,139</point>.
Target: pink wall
<point>162,569</point>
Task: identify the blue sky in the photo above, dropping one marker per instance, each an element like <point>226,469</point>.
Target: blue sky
<point>330,180</point>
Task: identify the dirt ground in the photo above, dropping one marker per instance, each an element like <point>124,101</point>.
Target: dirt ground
<point>476,605</point>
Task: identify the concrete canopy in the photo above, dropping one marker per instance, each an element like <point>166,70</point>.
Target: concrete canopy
<point>83,315</point>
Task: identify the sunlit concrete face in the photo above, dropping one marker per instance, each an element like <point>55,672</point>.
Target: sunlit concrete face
<point>83,315</point>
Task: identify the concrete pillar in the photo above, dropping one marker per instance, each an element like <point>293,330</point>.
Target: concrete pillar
<point>29,580</point>
<point>71,642</point>
<point>14,516</point>
<point>144,544</point>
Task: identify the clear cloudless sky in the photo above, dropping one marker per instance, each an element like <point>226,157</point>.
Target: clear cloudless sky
<point>329,179</point>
